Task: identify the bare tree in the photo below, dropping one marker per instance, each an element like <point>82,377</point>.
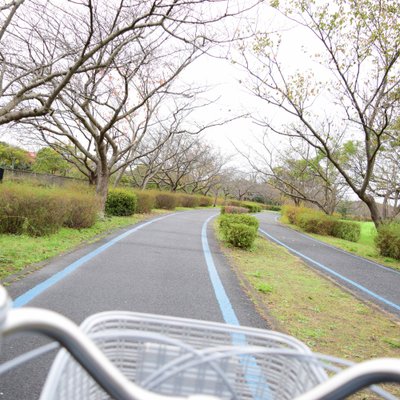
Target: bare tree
<point>299,172</point>
<point>103,116</point>
<point>189,164</point>
<point>358,44</point>
<point>43,44</point>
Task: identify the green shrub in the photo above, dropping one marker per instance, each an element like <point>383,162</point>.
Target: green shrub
<point>234,210</point>
<point>12,217</point>
<point>240,235</point>
<point>46,216</point>
<point>166,201</point>
<point>388,240</point>
<point>225,220</point>
<point>82,210</point>
<point>253,207</point>
<point>120,203</point>
<point>242,219</point>
<point>187,200</point>
<point>35,211</point>
<point>316,222</point>
<point>293,212</point>
<point>272,207</point>
<point>146,201</point>
<point>347,230</point>
<point>205,201</point>
<point>234,203</point>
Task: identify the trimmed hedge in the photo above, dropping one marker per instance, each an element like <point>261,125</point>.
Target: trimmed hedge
<point>82,210</point>
<point>314,221</point>
<point>166,201</point>
<point>120,203</point>
<point>253,207</point>
<point>205,201</point>
<point>226,219</point>
<point>347,230</point>
<point>240,230</point>
<point>388,240</point>
<point>234,210</point>
<point>34,211</point>
<point>235,203</point>
<point>187,200</point>
<point>241,235</point>
<point>42,211</point>
<point>292,213</point>
<point>145,202</point>
<point>272,207</point>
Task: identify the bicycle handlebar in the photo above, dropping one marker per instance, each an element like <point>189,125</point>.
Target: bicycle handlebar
<point>119,387</point>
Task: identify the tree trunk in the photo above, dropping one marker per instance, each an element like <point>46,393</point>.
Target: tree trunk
<point>102,187</point>
<point>376,215</point>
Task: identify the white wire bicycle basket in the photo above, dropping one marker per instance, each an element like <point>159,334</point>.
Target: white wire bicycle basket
<point>182,357</point>
<point>132,356</point>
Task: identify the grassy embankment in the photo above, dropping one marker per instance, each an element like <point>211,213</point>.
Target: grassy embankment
<point>299,301</point>
<point>365,247</point>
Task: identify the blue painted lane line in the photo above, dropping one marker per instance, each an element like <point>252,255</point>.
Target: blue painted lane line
<point>366,260</point>
<point>334,273</point>
<point>223,300</point>
<point>41,287</point>
<point>254,379</point>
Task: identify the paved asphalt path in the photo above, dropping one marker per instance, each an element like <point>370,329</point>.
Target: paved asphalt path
<point>368,280</point>
<point>159,269</point>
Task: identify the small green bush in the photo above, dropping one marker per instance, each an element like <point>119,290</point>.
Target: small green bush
<point>205,201</point>
<point>240,235</point>
<point>239,218</point>
<point>316,222</point>
<point>82,210</point>
<point>145,202</point>
<point>166,201</point>
<point>292,213</point>
<point>240,230</point>
<point>187,200</point>
<point>388,240</point>
<point>234,203</point>
<point>234,210</point>
<point>272,207</point>
<point>253,207</point>
<point>120,203</point>
<point>347,230</point>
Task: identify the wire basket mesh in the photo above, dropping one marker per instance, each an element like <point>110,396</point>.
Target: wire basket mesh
<point>181,357</point>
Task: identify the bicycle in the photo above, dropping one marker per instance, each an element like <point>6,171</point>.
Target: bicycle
<point>133,356</point>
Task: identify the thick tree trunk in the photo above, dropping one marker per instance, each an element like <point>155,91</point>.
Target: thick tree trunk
<point>102,187</point>
<point>376,215</point>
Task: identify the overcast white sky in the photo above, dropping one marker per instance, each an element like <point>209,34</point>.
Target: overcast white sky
<point>235,99</point>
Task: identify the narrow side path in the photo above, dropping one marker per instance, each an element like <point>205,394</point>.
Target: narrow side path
<point>160,268</point>
<point>370,281</point>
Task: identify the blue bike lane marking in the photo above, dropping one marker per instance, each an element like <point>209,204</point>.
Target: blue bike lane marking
<point>334,273</point>
<point>43,286</point>
<point>254,377</point>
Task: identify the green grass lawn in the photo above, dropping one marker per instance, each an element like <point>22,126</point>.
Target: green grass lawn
<point>299,301</point>
<point>365,247</point>
<point>19,251</point>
